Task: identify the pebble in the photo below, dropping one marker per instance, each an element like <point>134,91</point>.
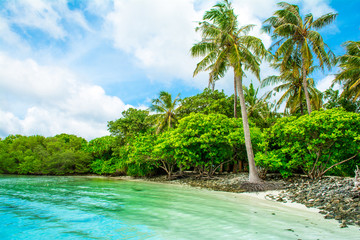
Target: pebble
<point>332,195</point>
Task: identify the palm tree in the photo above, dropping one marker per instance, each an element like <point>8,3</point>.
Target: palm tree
<point>167,109</point>
<point>224,44</point>
<point>290,83</point>
<point>350,72</point>
<point>259,109</point>
<point>296,34</point>
<point>254,105</point>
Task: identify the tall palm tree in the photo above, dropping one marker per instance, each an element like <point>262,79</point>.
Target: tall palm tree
<point>350,70</point>
<point>224,44</point>
<point>296,34</point>
<point>167,109</point>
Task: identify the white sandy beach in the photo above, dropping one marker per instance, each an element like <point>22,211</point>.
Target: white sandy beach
<point>261,195</point>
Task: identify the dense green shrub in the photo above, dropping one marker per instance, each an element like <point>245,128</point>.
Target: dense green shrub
<point>315,144</point>
<point>139,155</point>
<point>103,160</point>
<point>133,122</point>
<point>207,102</point>
<point>57,155</point>
<point>206,141</point>
<point>164,152</point>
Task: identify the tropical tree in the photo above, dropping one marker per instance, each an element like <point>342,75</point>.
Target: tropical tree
<point>167,108</point>
<point>205,142</point>
<point>350,70</point>
<point>133,122</point>
<point>258,108</point>
<point>295,34</point>
<point>290,83</point>
<point>316,144</point>
<point>224,44</point>
<point>335,100</point>
<point>206,102</point>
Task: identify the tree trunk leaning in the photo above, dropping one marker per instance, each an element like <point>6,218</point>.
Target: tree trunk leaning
<point>253,175</point>
<point>235,99</point>
<point>305,87</point>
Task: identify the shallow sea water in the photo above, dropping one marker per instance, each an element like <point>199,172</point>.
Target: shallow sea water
<point>101,208</point>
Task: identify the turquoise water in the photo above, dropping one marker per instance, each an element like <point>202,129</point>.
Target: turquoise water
<point>101,208</point>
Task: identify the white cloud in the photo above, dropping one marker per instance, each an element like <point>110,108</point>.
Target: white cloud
<point>47,16</point>
<point>38,14</point>
<point>55,101</point>
<point>158,33</point>
<point>317,7</point>
<point>326,83</point>
<point>99,7</point>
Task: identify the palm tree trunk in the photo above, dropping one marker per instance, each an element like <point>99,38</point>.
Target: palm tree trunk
<point>305,86</point>
<point>301,108</point>
<point>235,99</point>
<point>253,175</point>
<point>213,85</point>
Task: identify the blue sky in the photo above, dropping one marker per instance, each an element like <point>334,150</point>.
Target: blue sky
<point>71,66</point>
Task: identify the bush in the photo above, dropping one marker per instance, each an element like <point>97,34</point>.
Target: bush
<point>206,141</point>
<point>315,144</point>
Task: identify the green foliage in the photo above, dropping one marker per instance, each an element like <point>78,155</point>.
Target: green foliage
<point>315,143</point>
<point>134,158</point>
<point>258,109</point>
<point>133,122</point>
<point>103,161</point>
<point>8,164</point>
<point>140,162</point>
<point>206,141</point>
<point>164,152</point>
<point>334,100</point>
<point>290,84</point>
<point>166,109</point>
<point>297,41</point>
<point>207,102</point>
<point>120,159</point>
<point>350,71</point>
<point>39,155</point>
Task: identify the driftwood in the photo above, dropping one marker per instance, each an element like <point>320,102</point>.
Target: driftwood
<point>357,179</point>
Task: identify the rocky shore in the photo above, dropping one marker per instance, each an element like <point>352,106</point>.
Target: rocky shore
<point>333,196</point>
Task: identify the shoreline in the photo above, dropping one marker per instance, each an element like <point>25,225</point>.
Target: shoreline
<point>263,196</point>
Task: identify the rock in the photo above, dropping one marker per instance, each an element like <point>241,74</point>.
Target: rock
<point>343,224</point>
<point>329,216</point>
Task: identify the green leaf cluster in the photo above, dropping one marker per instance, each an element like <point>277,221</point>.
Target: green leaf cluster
<point>315,144</point>
<point>57,155</point>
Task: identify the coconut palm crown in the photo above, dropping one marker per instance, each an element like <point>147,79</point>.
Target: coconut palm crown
<point>350,70</point>
<point>167,109</point>
<point>290,83</point>
<point>293,33</point>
